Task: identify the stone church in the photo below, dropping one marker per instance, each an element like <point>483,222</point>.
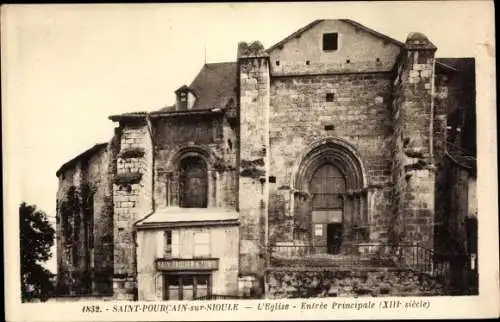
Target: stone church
<point>311,168</point>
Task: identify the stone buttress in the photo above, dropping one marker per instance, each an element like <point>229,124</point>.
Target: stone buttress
<point>132,195</point>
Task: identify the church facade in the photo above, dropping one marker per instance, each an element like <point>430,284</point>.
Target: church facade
<point>326,147</point>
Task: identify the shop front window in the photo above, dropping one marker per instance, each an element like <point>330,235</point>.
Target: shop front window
<point>187,286</point>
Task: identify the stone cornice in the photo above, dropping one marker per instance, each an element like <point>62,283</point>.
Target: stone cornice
<point>184,224</point>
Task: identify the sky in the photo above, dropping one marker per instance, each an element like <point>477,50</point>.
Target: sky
<point>66,68</point>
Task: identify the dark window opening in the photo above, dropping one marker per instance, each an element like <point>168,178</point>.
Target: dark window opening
<point>348,61</point>
<point>217,130</point>
<point>193,183</point>
<point>330,97</point>
<point>75,255</point>
<point>422,59</point>
<point>329,127</point>
<point>66,227</point>
<point>378,60</point>
<point>168,243</point>
<point>308,62</point>
<point>330,41</point>
<point>90,221</point>
<point>272,179</point>
<point>76,227</point>
<point>277,63</point>
<point>183,98</point>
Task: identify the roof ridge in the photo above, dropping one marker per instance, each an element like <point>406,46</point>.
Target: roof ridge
<point>348,21</point>
<point>294,34</point>
<point>372,31</point>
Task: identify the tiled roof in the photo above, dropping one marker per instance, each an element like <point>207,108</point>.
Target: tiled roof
<point>215,85</point>
<point>165,109</point>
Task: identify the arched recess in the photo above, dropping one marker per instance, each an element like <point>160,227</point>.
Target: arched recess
<point>191,150</point>
<point>193,183</point>
<point>188,168</point>
<point>343,184</point>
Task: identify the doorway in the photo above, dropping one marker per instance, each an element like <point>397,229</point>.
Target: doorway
<point>333,238</point>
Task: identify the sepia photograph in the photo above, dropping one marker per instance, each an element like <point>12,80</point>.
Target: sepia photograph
<point>224,158</point>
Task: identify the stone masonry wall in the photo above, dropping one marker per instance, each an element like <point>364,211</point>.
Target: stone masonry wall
<point>214,139</point>
<point>359,115</point>
<point>85,261</point>
<point>64,259</point>
<point>414,165</point>
<point>254,107</point>
<point>293,284</point>
<point>358,51</point>
<point>102,241</point>
<point>132,194</point>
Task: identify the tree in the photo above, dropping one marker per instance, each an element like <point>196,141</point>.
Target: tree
<point>36,239</point>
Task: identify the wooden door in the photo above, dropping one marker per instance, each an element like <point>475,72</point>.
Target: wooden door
<point>327,186</point>
<point>193,183</point>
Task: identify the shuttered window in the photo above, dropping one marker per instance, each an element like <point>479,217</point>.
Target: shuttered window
<point>201,244</point>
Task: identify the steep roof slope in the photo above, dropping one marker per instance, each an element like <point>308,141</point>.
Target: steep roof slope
<point>214,86</point>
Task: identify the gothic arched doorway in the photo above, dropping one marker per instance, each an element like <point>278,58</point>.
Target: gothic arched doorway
<point>330,202</point>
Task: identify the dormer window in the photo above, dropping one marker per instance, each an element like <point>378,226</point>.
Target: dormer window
<point>330,41</point>
<point>185,98</point>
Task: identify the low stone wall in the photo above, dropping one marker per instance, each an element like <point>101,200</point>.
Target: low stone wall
<point>305,284</point>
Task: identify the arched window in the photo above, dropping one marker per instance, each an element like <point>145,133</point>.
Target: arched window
<point>193,183</point>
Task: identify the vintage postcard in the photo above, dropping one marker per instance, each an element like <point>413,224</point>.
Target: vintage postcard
<point>247,161</point>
